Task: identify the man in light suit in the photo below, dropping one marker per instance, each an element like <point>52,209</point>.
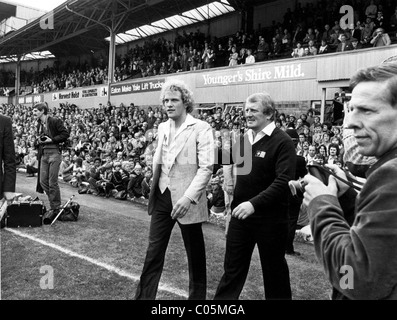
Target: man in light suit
<point>182,168</point>
<point>7,160</point>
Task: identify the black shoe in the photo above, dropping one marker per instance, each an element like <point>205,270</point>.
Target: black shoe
<point>292,253</point>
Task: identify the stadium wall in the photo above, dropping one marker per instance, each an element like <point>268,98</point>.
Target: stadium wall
<point>294,83</point>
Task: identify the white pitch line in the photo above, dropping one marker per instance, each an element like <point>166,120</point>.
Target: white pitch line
<point>106,266</point>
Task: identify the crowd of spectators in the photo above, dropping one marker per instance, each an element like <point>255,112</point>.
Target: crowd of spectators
<point>110,149</point>
<point>307,30</point>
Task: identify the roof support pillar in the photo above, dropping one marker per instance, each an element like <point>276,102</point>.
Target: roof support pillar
<point>323,98</point>
<point>17,78</point>
<point>112,49</point>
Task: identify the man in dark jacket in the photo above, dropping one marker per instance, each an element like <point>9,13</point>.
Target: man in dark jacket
<point>360,259</point>
<point>7,159</point>
<point>52,133</point>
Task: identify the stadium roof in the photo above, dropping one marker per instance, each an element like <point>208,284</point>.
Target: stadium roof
<point>81,26</point>
<point>207,11</point>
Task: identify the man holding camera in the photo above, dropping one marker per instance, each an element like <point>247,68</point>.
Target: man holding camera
<point>380,38</point>
<point>360,259</point>
<point>51,133</point>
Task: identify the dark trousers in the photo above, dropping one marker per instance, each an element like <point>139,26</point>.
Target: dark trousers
<point>240,243</point>
<point>161,226</point>
<point>49,169</point>
<point>294,206</point>
<point>31,170</point>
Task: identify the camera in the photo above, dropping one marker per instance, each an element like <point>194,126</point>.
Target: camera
<point>43,138</point>
<point>297,187</point>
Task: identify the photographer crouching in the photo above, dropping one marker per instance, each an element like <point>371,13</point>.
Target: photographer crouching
<point>360,259</point>
<point>51,133</point>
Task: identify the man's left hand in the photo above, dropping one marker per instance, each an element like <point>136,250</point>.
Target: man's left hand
<point>243,210</point>
<point>314,188</point>
<point>180,208</point>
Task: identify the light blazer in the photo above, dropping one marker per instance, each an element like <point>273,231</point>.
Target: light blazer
<point>191,168</point>
<point>7,157</point>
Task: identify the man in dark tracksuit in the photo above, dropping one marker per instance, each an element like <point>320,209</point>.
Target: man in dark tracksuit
<point>51,133</point>
<point>260,204</point>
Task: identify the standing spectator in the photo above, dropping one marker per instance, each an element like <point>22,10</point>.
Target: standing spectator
<point>52,132</point>
<point>294,203</point>
<point>286,41</point>
<point>177,184</point>
<point>259,207</point>
<point>371,10</point>
<point>8,170</point>
<point>367,31</point>
<point>393,22</point>
<point>220,56</point>
<point>250,58</point>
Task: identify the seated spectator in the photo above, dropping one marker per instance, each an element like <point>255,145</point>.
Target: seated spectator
<point>104,184</point>
<point>119,178</point>
<point>262,50</point>
<point>66,168</point>
<point>298,51</point>
<point>275,49</point>
<point>134,188</point>
<point>323,48</point>
<point>216,198</point>
<point>311,154</point>
<point>312,49</point>
<point>356,45</point>
<point>344,45</point>
<point>380,38</point>
<point>78,173</point>
<point>147,183</point>
<point>95,176</point>
<point>31,163</point>
<point>233,57</point>
<point>242,56</point>
<point>333,154</point>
